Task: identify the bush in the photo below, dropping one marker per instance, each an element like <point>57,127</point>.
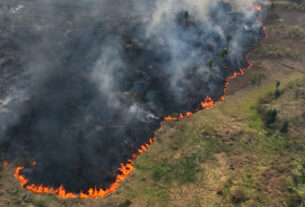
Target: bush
<point>256,78</point>
<point>210,64</point>
<point>273,6</point>
<point>284,127</point>
<point>295,32</point>
<point>277,90</point>
<point>299,5</point>
<point>158,172</point>
<point>274,51</point>
<point>297,92</point>
<point>185,170</point>
<point>270,117</point>
<point>299,174</point>
<point>292,53</point>
<point>127,203</point>
<point>228,38</point>
<point>238,196</point>
<point>224,52</point>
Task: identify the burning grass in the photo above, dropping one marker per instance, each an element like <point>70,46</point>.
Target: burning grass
<point>219,154</point>
<point>234,156</point>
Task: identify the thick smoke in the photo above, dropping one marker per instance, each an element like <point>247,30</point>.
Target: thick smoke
<point>85,83</point>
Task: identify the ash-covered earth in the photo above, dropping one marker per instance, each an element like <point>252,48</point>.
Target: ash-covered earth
<point>85,83</point>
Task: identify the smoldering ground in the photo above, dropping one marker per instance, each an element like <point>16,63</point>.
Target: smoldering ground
<point>85,83</point>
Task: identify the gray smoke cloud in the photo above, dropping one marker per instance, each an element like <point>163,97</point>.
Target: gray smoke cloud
<point>85,83</point>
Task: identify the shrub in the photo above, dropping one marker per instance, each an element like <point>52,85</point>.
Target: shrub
<point>297,92</point>
<point>299,174</point>
<point>210,63</point>
<point>295,32</point>
<point>39,203</point>
<point>273,6</point>
<point>224,52</point>
<point>284,127</point>
<point>238,196</point>
<point>277,84</point>
<point>127,203</point>
<point>274,51</point>
<point>256,78</point>
<point>292,53</point>
<point>228,38</point>
<point>270,117</point>
<point>277,90</point>
<point>158,172</point>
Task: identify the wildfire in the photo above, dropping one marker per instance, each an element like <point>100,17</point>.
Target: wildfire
<point>181,116</point>
<point>208,102</point>
<point>124,169</point>
<point>256,7</point>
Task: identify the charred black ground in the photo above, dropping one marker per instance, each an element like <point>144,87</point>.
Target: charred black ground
<point>85,83</point>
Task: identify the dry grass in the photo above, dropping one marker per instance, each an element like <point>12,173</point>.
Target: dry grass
<point>221,156</point>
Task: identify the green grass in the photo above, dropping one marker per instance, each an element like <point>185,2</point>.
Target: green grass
<point>38,203</point>
<point>184,170</point>
<point>275,51</point>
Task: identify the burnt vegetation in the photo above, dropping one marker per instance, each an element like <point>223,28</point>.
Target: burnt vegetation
<point>87,84</point>
<point>233,157</point>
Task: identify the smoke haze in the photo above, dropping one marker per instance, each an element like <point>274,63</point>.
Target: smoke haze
<point>85,83</point>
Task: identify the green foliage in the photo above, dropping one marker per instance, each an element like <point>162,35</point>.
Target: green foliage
<point>277,84</point>
<point>226,187</point>
<point>224,52</point>
<point>299,173</point>
<point>297,92</point>
<point>273,6</point>
<point>212,146</point>
<point>296,32</point>
<point>38,203</point>
<point>158,172</point>
<point>228,38</point>
<point>292,53</point>
<point>210,64</point>
<point>284,127</point>
<point>300,179</point>
<point>294,200</point>
<point>182,170</point>
<point>185,169</point>
<point>256,78</point>
<point>270,117</point>
<point>277,90</point>
<point>295,6</point>
<point>274,51</point>
<point>277,93</point>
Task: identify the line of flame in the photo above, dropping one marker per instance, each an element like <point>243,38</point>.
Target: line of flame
<point>124,169</point>
<point>257,7</point>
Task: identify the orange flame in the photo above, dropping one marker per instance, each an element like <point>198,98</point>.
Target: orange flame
<point>6,163</point>
<point>256,7</point>
<point>208,102</point>
<point>181,116</point>
<point>167,118</point>
<point>125,169</point>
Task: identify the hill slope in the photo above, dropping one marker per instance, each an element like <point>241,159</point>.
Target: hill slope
<point>248,150</point>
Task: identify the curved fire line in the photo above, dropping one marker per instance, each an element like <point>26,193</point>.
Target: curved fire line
<point>126,169</point>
